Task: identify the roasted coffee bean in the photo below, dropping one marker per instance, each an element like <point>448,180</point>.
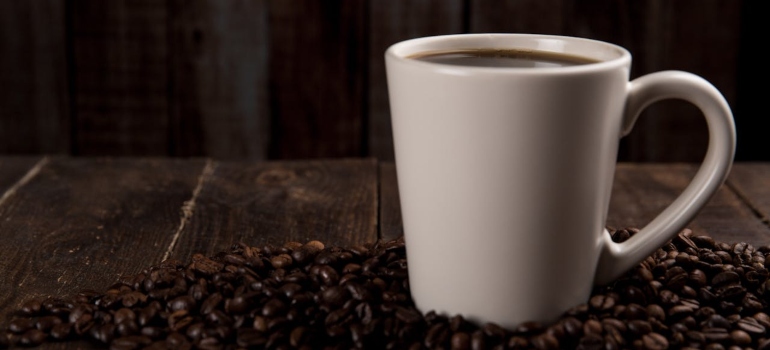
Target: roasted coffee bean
<point>725,277</point>
<point>639,327</point>
<point>591,342</point>
<point>184,302</point>
<point>635,312</point>
<point>61,331</point>
<point>762,318</point>
<point>592,327</point>
<point>715,334</point>
<point>21,325</point>
<point>31,307</point>
<point>545,342</point>
<point>32,337</point>
<point>656,311</point>
<point>601,302</point>
<point>45,323</point>
<point>694,292</point>
<point>750,325</point>
<point>654,341</point>
<point>717,321</point>
<point>211,303</point>
<point>529,327</point>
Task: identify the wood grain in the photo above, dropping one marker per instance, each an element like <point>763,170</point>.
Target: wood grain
<point>121,77</point>
<point>219,78</point>
<point>81,223</point>
<point>750,101</point>
<point>642,191</point>
<point>12,169</point>
<point>751,181</point>
<point>703,42</point>
<point>660,35</point>
<point>517,16</point>
<point>317,78</point>
<point>390,223</point>
<point>35,98</point>
<point>305,79</point>
<point>389,23</point>
<point>334,201</point>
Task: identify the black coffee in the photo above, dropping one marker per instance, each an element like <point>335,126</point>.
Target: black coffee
<point>502,58</point>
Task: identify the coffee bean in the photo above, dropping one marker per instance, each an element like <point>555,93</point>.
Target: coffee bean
<point>717,321</point>
<point>545,342</point>
<point>703,241</point>
<point>668,297</point>
<point>32,337</point>
<point>764,344</point>
<point>656,311</point>
<point>281,261</point>
<point>715,334</point>
<point>725,277</point>
<point>31,307</point>
<point>714,346</point>
<point>21,325</point>
<point>211,303</point>
<point>635,312</point>
<point>682,242</point>
<point>750,325</point>
<point>740,337</point>
<point>529,327</point>
<point>184,302</point>
<point>614,323</point>
<point>408,315</point>
<point>762,318</point>
<point>654,341</point>
<point>591,342</point>
<point>639,327</point>
<point>693,292</point>
<point>103,333</point>
<point>61,331</point>
<point>131,342</point>
<point>45,323</point>
<point>592,327</point>
<point>601,302</point>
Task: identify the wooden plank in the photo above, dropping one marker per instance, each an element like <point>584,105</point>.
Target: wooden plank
<point>517,16</point>
<point>752,183</point>
<point>389,23</point>
<point>35,103</point>
<point>749,102</point>
<point>12,170</point>
<point>121,77</point>
<point>390,223</point>
<point>704,42</point>
<point>317,78</point>
<point>642,191</point>
<point>219,78</point>
<point>660,35</point>
<point>81,223</point>
<point>334,201</point>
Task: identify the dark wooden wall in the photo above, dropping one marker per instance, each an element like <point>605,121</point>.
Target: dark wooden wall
<point>268,79</point>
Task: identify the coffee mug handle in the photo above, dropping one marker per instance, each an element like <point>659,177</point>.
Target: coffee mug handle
<point>617,258</point>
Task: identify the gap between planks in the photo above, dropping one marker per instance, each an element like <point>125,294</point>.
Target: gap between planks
<point>188,207</point>
<point>745,199</point>
<point>31,173</point>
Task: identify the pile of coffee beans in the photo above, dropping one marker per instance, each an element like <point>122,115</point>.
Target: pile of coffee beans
<point>694,292</point>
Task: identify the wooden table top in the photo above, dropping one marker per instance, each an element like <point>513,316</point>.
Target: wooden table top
<point>69,224</point>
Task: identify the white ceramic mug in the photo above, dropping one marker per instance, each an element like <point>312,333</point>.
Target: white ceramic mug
<point>505,174</point>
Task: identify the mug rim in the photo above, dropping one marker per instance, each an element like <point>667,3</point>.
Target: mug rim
<point>617,56</point>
